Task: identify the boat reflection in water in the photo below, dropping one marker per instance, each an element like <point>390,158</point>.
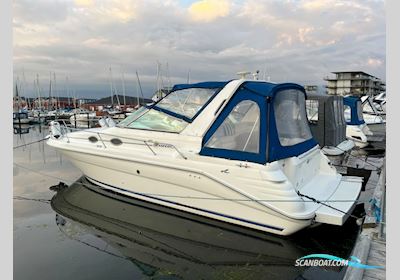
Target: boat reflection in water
<point>162,244</point>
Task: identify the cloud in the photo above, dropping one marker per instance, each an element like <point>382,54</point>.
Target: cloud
<point>374,62</point>
<point>209,10</point>
<point>84,3</point>
<point>293,42</point>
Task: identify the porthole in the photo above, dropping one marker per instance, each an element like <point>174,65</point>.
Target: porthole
<point>138,171</point>
<point>116,141</point>
<point>93,139</point>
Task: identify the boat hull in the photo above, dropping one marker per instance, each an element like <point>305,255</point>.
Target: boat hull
<point>182,190</point>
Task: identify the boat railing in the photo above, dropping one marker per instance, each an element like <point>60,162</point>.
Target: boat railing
<point>65,130</point>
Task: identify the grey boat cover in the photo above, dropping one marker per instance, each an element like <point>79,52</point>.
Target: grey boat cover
<point>329,128</point>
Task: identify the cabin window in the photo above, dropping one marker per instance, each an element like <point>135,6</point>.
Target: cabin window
<point>186,102</point>
<point>312,110</point>
<point>347,113</point>
<point>240,131</point>
<point>291,119</point>
<point>158,121</point>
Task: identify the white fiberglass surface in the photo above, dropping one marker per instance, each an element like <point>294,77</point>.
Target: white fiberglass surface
<point>240,131</point>
<point>186,102</point>
<point>291,117</point>
<point>151,119</point>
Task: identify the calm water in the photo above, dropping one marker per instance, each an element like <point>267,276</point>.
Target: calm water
<point>76,233</point>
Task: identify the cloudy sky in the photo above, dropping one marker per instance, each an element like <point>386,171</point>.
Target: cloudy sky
<point>294,40</point>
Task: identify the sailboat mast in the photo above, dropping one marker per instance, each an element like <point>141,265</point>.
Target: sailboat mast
<point>123,88</point>
<point>68,96</point>
<point>111,88</point>
<point>140,86</point>
<point>50,100</point>
<point>38,91</point>
<point>56,92</point>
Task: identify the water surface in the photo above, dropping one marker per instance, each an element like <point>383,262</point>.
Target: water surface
<point>78,233</point>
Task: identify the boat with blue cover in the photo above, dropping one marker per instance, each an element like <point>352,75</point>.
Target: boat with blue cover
<point>239,151</point>
<point>356,130</point>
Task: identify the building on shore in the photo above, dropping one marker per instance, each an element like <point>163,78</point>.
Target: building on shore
<point>354,83</point>
<point>311,89</point>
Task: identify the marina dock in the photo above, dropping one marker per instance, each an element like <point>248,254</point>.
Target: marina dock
<point>370,247</point>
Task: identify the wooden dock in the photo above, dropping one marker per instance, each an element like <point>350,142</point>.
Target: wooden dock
<point>376,256</point>
<point>370,247</point>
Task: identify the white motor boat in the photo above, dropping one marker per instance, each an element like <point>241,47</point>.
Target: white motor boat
<point>356,129</point>
<point>374,114</point>
<point>240,152</point>
<point>328,126</point>
<point>21,118</point>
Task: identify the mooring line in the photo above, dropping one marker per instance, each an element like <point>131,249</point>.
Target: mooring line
<point>27,144</point>
<point>32,199</point>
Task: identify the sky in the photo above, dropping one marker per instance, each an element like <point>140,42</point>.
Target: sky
<point>298,41</point>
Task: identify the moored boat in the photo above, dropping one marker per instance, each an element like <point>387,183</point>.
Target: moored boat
<point>356,129</point>
<point>326,117</point>
<point>240,152</point>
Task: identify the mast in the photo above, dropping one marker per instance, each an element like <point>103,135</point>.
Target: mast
<point>123,88</point>
<point>158,80</point>
<point>48,103</point>
<point>17,95</point>
<point>140,87</point>
<point>23,89</point>
<point>168,77</point>
<point>56,92</point>
<point>68,96</point>
<point>111,89</point>
<point>137,93</point>
<point>38,91</point>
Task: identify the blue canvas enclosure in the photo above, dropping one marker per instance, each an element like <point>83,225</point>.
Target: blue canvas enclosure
<point>356,117</point>
<point>275,111</point>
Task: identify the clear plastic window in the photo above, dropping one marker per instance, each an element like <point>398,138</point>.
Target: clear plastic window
<point>291,118</point>
<point>347,113</point>
<point>133,116</point>
<point>154,120</point>
<point>186,102</point>
<point>312,110</point>
<point>240,131</point>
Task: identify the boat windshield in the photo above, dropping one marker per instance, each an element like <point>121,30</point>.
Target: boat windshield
<point>186,102</point>
<point>150,119</point>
